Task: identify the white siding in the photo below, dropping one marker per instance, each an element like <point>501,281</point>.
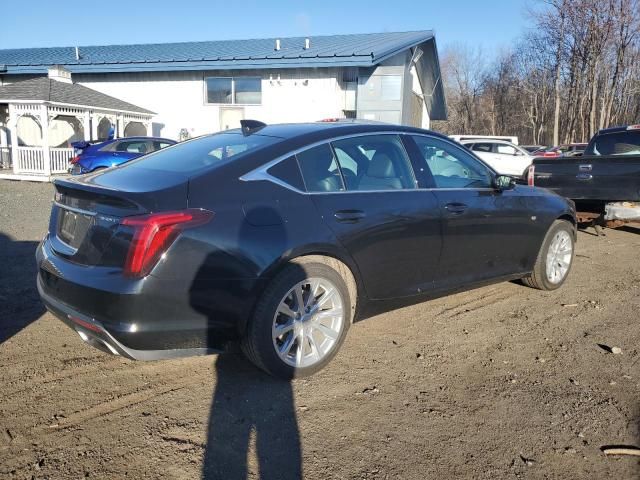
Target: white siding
<point>178,98</point>
<point>417,89</point>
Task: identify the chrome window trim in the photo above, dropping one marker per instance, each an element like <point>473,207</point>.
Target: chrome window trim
<point>261,173</point>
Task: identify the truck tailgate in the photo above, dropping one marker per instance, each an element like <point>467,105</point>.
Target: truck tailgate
<point>606,178</point>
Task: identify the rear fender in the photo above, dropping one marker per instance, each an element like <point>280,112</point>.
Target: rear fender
<point>319,249</point>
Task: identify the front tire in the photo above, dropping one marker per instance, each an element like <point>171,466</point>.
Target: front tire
<point>555,258</point>
<point>300,321</point>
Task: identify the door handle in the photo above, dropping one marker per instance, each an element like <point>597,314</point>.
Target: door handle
<point>584,177</point>
<point>456,208</point>
<point>349,216</point>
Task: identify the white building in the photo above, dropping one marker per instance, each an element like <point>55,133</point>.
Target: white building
<point>202,87</point>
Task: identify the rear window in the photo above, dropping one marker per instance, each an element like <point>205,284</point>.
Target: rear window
<point>201,153</point>
<point>616,143</point>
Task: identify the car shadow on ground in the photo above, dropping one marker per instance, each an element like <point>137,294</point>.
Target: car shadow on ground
<point>20,303</point>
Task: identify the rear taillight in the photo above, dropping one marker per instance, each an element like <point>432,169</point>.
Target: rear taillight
<point>75,160</point>
<point>154,233</point>
<point>531,176</point>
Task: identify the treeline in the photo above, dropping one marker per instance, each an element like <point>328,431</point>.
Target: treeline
<point>577,70</point>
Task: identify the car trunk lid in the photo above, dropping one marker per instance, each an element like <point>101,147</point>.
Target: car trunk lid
<point>85,226</point>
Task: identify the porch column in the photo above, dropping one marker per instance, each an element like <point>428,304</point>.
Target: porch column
<point>3,134</point>
<point>119,126</point>
<point>94,127</point>
<point>13,132</point>
<point>86,126</point>
<point>147,125</point>
<point>46,153</point>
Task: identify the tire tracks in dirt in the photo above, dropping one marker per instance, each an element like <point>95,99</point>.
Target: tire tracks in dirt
<point>172,379</point>
<point>480,300</point>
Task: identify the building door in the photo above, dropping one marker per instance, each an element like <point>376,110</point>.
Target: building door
<point>230,118</point>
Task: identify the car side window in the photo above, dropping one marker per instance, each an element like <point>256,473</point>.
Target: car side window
<point>160,145</point>
<point>288,171</point>
<point>451,166</point>
<point>481,147</point>
<point>505,149</point>
<point>135,146</point>
<point>320,170</point>
<point>374,162</point>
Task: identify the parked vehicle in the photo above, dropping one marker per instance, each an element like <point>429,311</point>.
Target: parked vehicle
<point>506,138</point>
<point>604,182</point>
<point>93,156</point>
<point>534,148</point>
<point>279,236</point>
<point>569,150</point>
<point>504,157</point>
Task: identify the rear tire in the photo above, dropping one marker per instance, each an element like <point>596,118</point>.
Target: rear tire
<point>555,258</point>
<point>292,338</point>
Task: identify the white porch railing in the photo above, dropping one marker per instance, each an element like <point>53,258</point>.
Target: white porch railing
<point>59,158</point>
<point>31,160</point>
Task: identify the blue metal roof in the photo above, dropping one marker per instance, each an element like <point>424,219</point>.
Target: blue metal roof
<point>360,50</point>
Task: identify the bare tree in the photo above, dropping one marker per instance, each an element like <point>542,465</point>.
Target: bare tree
<point>576,71</point>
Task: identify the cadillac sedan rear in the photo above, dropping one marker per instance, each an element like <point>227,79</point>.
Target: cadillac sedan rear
<point>128,263</point>
<point>277,235</point>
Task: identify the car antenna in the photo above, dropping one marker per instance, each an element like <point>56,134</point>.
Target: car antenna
<point>251,126</point>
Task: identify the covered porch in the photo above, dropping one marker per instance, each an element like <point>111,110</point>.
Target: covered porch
<point>40,118</point>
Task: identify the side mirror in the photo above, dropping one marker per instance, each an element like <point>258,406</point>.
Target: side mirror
<point>504,182</point>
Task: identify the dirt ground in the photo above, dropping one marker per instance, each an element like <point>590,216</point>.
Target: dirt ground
<point>499,382</point>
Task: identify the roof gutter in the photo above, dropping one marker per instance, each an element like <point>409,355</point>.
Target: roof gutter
<point>318,62</point>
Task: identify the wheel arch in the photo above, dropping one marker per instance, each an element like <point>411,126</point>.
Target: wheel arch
<point>327,255</point>
<point>569,218</point>
<point>573,221</point>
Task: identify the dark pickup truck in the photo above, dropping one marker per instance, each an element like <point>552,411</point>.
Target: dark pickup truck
<point>604,182</point>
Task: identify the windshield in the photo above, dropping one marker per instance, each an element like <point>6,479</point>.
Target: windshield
<point>201,153</point>
<point>615,143</point>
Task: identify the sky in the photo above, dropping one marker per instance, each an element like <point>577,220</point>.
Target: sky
<point>490,25</point>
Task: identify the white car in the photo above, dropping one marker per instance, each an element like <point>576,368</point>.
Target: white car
<point>504,157</point>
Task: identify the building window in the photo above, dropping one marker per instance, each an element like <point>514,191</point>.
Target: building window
<point>247,90</point>
<point>234,91</point>
<point>219,90</point>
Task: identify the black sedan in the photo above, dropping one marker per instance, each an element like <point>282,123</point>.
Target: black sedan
<point>278,236</point>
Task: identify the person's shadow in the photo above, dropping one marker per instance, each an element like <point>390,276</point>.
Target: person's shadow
<point>20,303</point>
<point>252,430</point>
<point>251,409</point>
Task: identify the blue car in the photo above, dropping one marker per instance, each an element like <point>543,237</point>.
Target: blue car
<point>94,156</point>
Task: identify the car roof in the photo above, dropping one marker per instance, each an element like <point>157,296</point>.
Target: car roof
<point>328,130</point>
<point>144,138</point>
<point>621,128</point>
<point>486,140</point>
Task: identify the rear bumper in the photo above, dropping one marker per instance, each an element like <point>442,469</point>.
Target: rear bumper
<point>143,319</point>
<point>95,334</point>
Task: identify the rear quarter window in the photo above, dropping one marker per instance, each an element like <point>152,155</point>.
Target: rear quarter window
<point>202,153</point>
<point>615,143</point>
<point>289,172</point>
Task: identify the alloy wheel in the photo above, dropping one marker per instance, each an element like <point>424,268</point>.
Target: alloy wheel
<point>308,322</point>
<point>559,256</point>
